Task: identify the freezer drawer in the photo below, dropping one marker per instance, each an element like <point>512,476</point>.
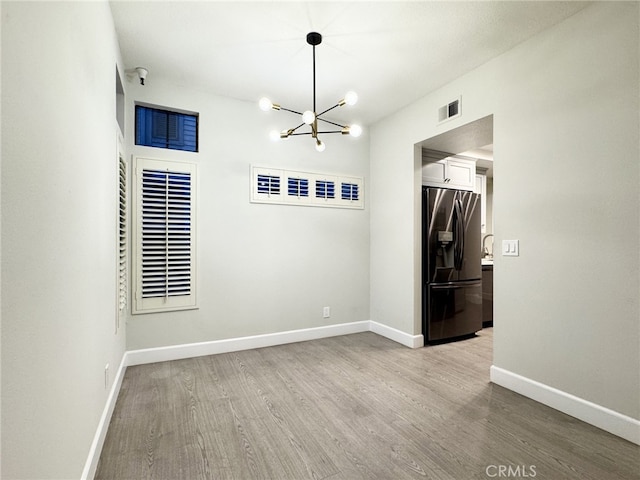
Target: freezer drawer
<point>453,310</point>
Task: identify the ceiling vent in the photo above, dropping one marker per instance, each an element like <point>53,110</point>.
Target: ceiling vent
<point>449,111</point>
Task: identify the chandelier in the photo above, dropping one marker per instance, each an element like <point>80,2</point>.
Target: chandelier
<point>311,117</point>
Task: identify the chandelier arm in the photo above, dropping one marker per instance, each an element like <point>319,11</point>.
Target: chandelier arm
<point>292,111</point>
<point>332,123</point>
<point>311,133</point>
<point>294,129</point>
<point>329,109</point>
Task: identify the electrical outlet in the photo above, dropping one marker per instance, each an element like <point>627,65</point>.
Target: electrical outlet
<point>326,312</point>
<point>106,376</point>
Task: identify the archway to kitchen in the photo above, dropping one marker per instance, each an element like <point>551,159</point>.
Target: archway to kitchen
<point>462,158</point>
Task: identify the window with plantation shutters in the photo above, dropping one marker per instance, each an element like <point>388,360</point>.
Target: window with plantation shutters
<point>122,235</point>
<point>289,187</point>
<point>165,230</point>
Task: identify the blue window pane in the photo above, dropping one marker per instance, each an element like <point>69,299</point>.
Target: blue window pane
<point>165,129</point>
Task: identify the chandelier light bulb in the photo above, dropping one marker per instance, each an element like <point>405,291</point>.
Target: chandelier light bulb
<point>320,146</point>
<point>355,130</point>
<point>351,98</point>
<point>274,135</point>
<point>308,117</point>
<point>265,104</point>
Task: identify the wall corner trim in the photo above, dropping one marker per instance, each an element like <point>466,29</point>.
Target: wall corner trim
<point>411,341</point>
<point>591,413</point>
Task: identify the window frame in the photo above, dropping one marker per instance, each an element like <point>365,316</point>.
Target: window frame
<point>316,188</point>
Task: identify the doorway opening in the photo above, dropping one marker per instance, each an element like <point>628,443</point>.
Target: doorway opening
<point>473,144</point>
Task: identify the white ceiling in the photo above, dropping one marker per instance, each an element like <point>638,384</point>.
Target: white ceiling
<point>391,53</point>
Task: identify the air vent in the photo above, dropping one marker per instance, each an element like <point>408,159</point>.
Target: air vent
<point>449,111</point>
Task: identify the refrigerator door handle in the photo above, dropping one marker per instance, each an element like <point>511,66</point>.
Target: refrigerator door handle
<point>458,234</point>
<point>455,234</point>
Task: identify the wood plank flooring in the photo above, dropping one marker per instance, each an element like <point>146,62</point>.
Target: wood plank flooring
<point>352,407</point>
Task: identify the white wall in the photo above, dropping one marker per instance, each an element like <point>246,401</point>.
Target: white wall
<point>59,194</point>
<point>261,268</point>
<point>566,145</point>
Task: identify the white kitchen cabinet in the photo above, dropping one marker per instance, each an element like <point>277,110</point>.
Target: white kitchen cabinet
<point>434,173</point>
<point>481,188</point>
<point>449,173</point>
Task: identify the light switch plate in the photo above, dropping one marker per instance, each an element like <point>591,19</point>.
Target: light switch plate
<point>510,248</point>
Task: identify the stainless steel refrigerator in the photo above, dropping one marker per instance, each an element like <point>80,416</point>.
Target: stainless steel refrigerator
<point>452,266</point>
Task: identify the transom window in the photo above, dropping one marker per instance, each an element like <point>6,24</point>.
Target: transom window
<point>166,129</point>
<point>288,187</point>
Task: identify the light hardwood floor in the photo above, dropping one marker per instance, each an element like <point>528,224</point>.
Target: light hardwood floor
<point>352,407</point>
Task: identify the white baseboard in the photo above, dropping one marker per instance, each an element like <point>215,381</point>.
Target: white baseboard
<point>411,341</point>
<point>177,352</point>
<point>591,413</point>
<point>91,465</point>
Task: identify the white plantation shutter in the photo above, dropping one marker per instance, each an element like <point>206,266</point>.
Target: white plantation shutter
<point>269,184</point>
<point>266,184</point>
<point>325,189</point>
<point>350,191</point>
<point>299,187</point>
<point>165,231</point>
<point>122,235</point>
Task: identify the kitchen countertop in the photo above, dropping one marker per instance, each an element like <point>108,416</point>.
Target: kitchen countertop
<point>487,261</point>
